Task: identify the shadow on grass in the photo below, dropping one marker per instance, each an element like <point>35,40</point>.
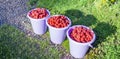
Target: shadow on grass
<point>78,17</point>
<point>103,30</point>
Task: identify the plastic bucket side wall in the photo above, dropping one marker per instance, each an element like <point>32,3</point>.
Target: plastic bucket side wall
<point>39,27</point>
<point>78,50</point>
<point>57,36</point>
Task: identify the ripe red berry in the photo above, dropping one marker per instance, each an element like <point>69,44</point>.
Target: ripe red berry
<point>38,13</point>
<point>81,34</point>
<point>59,21</point>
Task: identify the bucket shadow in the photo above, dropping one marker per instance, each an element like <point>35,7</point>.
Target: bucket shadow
<point>79,18</point>
<point>102,31</point>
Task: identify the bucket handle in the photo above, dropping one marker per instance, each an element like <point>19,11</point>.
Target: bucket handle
<point>91,46</point>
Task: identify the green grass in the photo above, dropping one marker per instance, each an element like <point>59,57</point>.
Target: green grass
<point>103,16</point>
<point>14,44</point>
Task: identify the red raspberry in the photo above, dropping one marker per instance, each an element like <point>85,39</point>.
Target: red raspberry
<point>81,34</point>
<point>38,13</point>
<point>59,21</point>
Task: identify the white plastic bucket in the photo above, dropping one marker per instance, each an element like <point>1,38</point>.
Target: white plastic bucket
<point>78,50</point>
<point>39,25</point>
<point>57,35</point>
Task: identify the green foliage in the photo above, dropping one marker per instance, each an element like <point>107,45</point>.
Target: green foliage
<point>65,44</point>
<point>14,44</point>
<point>32,2</point>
